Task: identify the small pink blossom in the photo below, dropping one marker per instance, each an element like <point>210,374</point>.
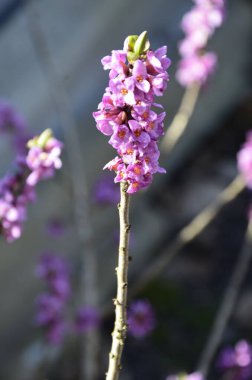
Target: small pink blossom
<point>141,319</point>
<point>196,69</point>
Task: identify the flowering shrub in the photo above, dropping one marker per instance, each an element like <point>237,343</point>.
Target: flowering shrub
<point>137,74</point>
<point>199,25</point>
<point>134,122</point>
<point>18,189</point>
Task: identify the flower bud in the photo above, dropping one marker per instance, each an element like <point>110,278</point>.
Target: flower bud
<point>41,140</point>
<point>136,46</point>
<point>142,44</point>
<point>129,42</point>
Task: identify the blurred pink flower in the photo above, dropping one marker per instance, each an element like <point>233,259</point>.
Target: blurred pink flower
<point>141,318</point>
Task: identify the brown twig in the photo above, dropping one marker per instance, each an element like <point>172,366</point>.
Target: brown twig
<point>227,305</point>
<point>120,327</point>
<point>88,287</point>
<point>181,119</point>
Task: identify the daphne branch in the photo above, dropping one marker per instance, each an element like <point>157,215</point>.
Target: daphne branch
<point>120,327</point>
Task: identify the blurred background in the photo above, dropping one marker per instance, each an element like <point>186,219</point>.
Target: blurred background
<point>187,292</point>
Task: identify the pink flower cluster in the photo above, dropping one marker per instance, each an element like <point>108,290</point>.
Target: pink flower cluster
<point>125,114</point>
<point>15,194</point>
<point>51,306</point>
<point>43,157</point>
<point>236,361</point>
<point>52,314</point>
<point>244,160</point>
<point>199,24</point>
<point>17,190</point>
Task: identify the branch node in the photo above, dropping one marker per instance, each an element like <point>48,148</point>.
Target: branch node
<point>128,227</point>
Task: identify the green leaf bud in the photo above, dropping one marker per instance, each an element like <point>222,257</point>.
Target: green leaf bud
<point>130,42</point>
<point>142,44</point>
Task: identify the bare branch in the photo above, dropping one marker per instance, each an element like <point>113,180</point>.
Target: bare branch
<point>120,328</point>
<point>181,119</point>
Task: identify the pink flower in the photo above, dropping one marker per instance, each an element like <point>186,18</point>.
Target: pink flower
<point>196,69</point>
<point>116,63</point>
<point>120,136</point>
<point>139,73</point>
<point>158,62</point>
<point>141,319</point>
<point>138,134</point>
